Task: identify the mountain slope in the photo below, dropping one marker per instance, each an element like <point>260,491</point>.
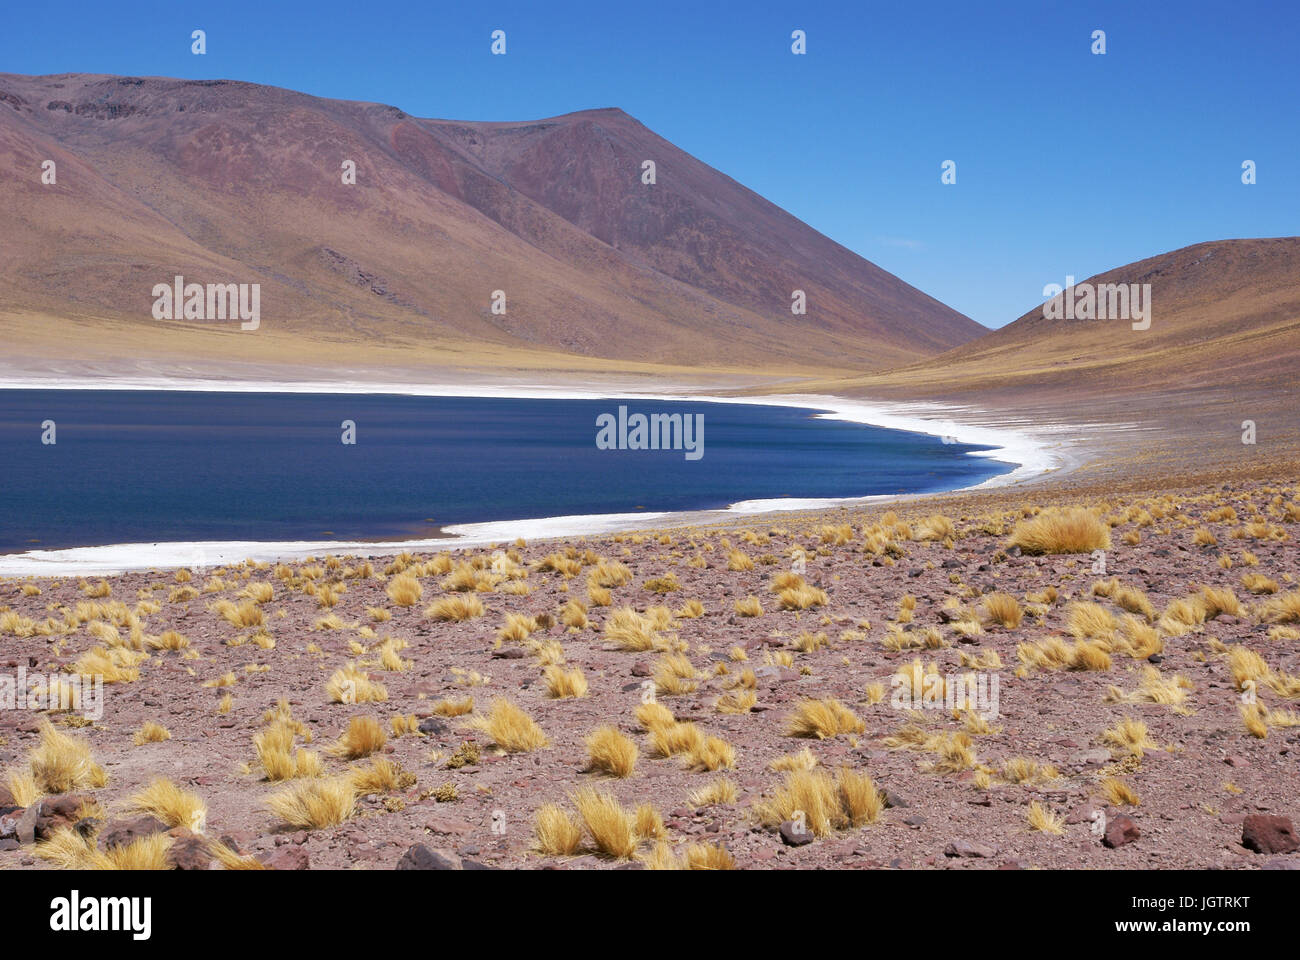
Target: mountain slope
<point>231,182</point>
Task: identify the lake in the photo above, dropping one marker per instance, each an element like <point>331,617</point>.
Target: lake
<point>139,466</point>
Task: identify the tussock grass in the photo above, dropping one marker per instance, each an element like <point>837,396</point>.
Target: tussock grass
<point>315,804</point>
<point>720,791</point>
<point>562,684</point>
<point>510,728</point>
<point>1153,687</point>
<point>456,608</point>
<point>822,719</point>
<point>61,763</point>
<point>825,804</point>
<point>611,752</point>
<point>350,685</point>
<point>382,774</point>
<point>151,732</point>
<point>1002,609</point>
<point>611,828</point>
<point>1056,531</point>
<point>363,736</point>
<point>172,805</point>
<point>1041,818</point>
<point>1118,793</point>
<point>631,631</point>
<point>1129,737</point>
<point>556,832</point>
<point>674,675</point>
<point>749,606</point>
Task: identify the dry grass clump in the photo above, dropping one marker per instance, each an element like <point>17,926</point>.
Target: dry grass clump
<point>1072,530</point>
<point>720,791</point>
<point>674,675</point>
<point>350,685</point>
<point>556,832</point>
<point>151,732</point>
<point>738,700</point>
<point>574,614</point>
<point>455,609</point>
<point>60,763</point>
<point>245,614</point>
<point>1043,819</point>
<point>1002,609</point>
<point>822,719</point>
<point>608,574</point>
<point>1284,608</point>
<point>315,804</point>
<point>1125,597</point>
<point>802,597</point>
<point>611,828</point>
<point>364,735</point>
<point>632,631</point>
<point>404,590</point>
<point>750,606</point>
<point>611,752</point>
<point>1257,583</point>
<point>739,561</point>
<point>821,803</point>
<point>1119,794</point>
<point>562,684</point>
<point>1026,770</point>
<point>1129,737</point>
<point>274,746</point>
<point>172,805</point>
<point>382,774</point>
<point>654,715</point>
<point>805,759</point>
<point>115,664</point>
<point>1057,654</point>
<point>510,728</point>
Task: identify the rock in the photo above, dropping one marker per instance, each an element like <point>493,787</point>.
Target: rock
<point>894,799</point>
<point>449,825</point>
<point>1119,831</point>
<point>641,669</point>
<point>475,865</point>
<point>420,857</point>
<point>508,653</point>
<point>1279,863</point>
<point>1090,757</point>
<point>288,858</point>
<point>968,848</point>
<point>796,834</point>
<point>119,833</point>
<point>60,811</point>
<point>25,830</point>
<point>190,853</point>
<point>1235,761</point>
<point>1265,833</point>
<point>6,798</point>
<point>432,725</point>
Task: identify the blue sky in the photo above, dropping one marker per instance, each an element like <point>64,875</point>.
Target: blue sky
<point>1067,162</point>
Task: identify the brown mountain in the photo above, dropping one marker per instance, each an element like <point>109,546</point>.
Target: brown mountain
<point>233,182</point>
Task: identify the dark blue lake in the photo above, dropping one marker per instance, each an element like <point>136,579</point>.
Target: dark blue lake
<point>147,466</point>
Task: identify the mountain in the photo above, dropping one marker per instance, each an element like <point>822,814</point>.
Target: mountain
<point>227,182</point>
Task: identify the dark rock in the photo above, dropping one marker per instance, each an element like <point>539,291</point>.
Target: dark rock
<point>968,848</point>
<point>119,833</point>
<point>56,812</point>
<point>1119,831</point>
<point>288,858</point>
<point>796,834</point>
<point>432,725</point>
<point>894,799</point>
<point>1265,833</point>
<point>641,669</point>
<point>420,857</point>
<point>190,853</point>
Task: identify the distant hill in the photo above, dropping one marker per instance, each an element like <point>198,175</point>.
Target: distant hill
<point>221,181</point>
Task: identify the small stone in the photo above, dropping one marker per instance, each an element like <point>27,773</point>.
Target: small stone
<point>796,834</point>
<point>1265,833</point>
<point>420,857</point>
<point>1119,831</point>
<point>969,848</point>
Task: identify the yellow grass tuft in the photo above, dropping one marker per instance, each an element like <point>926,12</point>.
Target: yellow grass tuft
<point>1055,531</point>
<point>556,832</point>
<point>510,728</point>
<point>562,684</point>
<point>1043,819</point>
<point>172,805</point>
<point>364,735</point>
<point>456,608</point>
<point>612,829</point>
<point>314,804</point>
<point>822,719</point>
<point>611,752</point>
<point>151,732</point>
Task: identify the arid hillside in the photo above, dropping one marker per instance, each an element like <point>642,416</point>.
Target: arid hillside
<point>221,181</point>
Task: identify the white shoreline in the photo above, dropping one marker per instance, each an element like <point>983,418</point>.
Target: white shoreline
<point>1033,451</point>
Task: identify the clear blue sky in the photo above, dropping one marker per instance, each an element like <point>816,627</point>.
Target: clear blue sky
<point>1067,163</point>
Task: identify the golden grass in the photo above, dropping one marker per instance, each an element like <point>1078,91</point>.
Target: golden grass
<point>556,832</point>
<point>1118,793</point>
<point>316,803</point>
<point>749,606</point>
<point>674,675</point>
<point>631,631</point>
<point>380,775</point>
<point>510,728</point>
<point>404,590</point>
<point>1153,687</point>
<point>453,708</point>
<point>1284,608</point>
<point>609,751</point>
<point>456,608</point>
<point>822,719</point>
<point>350,685</point>
<point>562,684</point>
<point>364,735</point>
<point>652,716</point>
<point>1002,609</point>
<point>719,791</point>
<point>60,763</point>
<point>245,614</point>
<point>1129,737</point>
<point>611,828</point>
<point>1041,818</point>
<point>1057,531</point>
<point>172,805</point>
<point>820,803</point>
<point>151,732</point>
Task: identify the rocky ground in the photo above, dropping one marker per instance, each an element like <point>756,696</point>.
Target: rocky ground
<point>1202,791</point>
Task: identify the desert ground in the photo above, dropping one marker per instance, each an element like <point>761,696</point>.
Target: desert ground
<point>695,697</point>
